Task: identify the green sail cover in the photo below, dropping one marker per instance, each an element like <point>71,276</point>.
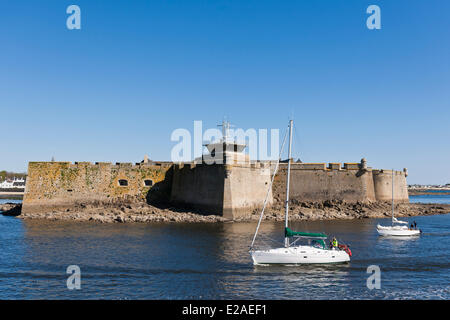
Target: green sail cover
<point>289,233</point>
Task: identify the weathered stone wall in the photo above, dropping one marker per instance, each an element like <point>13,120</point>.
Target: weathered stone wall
<point>322,183</point>
<point>200,187</point>
<point>62,185</point>
<point>350,182</point>
<point>230,190</point>
<point>227,190</point>
<point>245,189</point>
<point>383,185</point>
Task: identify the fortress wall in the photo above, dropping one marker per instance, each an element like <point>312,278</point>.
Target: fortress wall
<point>200,187</point>
<point>383,185</point>
<point>227,190</point>
<point>231,190</point>
<point>333,183</point>
<point>246,189</point>
<point>63,185</point>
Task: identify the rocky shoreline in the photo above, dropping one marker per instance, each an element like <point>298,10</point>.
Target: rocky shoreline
<point>142,212</point>
<point>10,209</point>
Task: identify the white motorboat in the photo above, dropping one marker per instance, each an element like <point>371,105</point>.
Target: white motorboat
<point>314,248</point>
<point>398,227</point>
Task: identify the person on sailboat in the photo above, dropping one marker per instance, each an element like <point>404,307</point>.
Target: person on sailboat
<point>415,225</point>
<point>335,242</point>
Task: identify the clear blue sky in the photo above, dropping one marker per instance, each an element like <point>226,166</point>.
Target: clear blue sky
<point>116,89</point>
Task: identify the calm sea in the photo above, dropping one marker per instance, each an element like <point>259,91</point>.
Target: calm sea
<point>434,196</point>
<point>211,261</point>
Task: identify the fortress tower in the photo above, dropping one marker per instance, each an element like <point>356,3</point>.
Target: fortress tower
<point>224,182</point>
<point>224,151</point>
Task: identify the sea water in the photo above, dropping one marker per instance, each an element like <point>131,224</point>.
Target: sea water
<point>211,261</point>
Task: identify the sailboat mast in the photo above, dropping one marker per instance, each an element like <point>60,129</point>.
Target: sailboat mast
<point>392,196</point>
<point>286,239</point>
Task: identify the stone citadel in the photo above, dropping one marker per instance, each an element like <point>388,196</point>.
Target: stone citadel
<point>230,188</point>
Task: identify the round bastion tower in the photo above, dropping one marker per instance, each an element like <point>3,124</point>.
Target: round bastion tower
<point>382,180</point>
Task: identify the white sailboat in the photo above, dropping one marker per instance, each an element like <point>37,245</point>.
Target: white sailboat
<point>398,227</point>
<point>314,248</point>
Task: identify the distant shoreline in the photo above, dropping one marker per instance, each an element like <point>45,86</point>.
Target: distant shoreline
<point>11,195</point>
<point>424,191</point>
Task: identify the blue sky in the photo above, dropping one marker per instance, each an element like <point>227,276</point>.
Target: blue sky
<point>116,89</point>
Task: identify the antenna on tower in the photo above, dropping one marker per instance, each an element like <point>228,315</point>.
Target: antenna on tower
<point>225,129</point>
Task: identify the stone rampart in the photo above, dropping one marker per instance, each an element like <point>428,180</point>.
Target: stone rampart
<point>321,182</point>
<point>350,182</point>
<point>62,185</point>
<point>230,190</point>
<point>227,190</point>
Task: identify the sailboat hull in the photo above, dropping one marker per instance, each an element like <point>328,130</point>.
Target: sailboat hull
<point>401,231</point>
<point>298,255</point>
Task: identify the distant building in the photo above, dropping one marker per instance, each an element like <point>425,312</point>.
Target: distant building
<point>13,183</point>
